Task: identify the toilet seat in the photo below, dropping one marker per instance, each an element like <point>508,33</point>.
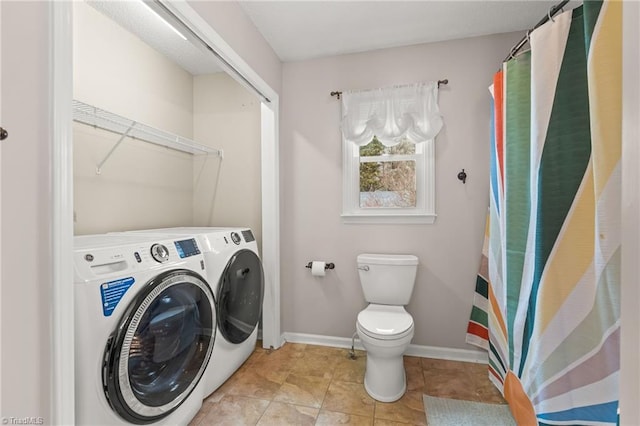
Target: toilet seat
<point>385,322</point>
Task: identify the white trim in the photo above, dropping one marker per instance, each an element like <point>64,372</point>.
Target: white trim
<point>388,218</point>
<point>319,340</point>
<point>270,226</point>
<point>62,312</point>
<point>390,158</point>
<point>452,354</point>
<point>423,213</point>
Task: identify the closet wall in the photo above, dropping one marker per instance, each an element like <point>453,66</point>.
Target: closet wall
<point>227,116</point>
<point>148,186</point>
<point>141,185</point>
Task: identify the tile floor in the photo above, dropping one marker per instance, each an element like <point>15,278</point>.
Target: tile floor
<point>317,385</point>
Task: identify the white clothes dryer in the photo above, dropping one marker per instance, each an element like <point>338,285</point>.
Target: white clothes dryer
<point>145,322</point>
<point>235,272</point>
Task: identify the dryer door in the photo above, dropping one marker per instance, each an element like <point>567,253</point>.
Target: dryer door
<point>240,295</point>
<point>161,347</point>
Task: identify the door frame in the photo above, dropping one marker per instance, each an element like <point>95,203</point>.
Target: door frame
<point>61,62</point>
<point>62,294</point>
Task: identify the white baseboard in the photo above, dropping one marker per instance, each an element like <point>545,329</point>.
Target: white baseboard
<point>452,354</point>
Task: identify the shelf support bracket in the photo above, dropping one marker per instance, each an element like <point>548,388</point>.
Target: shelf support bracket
<point>104,160</point>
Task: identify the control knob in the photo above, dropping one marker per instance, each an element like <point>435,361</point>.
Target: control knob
<point>235,237</point>
<point>159,253</point>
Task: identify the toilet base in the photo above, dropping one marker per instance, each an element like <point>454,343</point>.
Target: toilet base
<point>385,398</point>
<point>385,379</point>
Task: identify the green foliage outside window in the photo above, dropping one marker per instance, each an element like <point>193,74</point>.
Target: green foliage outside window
<point>398,176</point>
<point>370,172</point>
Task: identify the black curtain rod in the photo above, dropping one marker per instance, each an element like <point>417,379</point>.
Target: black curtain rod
<point>440,82</point>
<point>552,12</point>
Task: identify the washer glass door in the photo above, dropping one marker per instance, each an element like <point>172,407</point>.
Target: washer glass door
<point>240,295</point>
<point>158,353</point>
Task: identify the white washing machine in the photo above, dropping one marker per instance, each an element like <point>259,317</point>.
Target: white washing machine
<point>145,323</point>
<point>237,278</point>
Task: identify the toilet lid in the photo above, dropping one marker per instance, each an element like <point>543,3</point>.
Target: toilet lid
<point>385,322</point>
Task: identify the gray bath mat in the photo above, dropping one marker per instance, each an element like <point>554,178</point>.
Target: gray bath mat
<point>452,412</point>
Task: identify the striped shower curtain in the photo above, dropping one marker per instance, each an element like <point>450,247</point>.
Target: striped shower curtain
<point>547,302</point>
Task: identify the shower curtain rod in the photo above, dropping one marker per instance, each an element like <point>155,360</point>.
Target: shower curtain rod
<point>552,12</point>
<point>440,82</point>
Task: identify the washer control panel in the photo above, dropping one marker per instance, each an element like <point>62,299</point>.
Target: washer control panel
<point>219,241</point>
<point>187,248</point>
<point>115,254</point>
<point>248,236</point>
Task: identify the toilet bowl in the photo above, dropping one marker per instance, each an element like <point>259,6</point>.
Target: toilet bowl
<point>385,332</point>
<point>384,327</point>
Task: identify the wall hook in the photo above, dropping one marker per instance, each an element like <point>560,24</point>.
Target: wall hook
<point>462,176</point>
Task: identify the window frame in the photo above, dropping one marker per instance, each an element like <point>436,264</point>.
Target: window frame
<point>423,213</point>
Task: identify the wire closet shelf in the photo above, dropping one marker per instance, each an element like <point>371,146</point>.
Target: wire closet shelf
<point>126,127</point>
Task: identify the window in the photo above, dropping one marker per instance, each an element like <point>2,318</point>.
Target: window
<point>388,167</point>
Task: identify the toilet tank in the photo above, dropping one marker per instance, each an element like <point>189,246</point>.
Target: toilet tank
<point>387,279</point>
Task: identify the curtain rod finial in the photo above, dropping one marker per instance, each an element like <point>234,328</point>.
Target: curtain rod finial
<point>336,94</point>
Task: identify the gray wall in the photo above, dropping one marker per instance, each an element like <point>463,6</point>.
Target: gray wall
<point>311,162</point>
<point>26,243</point>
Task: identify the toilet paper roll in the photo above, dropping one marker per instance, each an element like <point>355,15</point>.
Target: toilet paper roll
<point>317,269</point>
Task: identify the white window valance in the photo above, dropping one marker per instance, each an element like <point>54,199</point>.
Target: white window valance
<point>392,114</point>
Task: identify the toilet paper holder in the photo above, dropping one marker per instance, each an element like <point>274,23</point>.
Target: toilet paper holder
<point>326,266</point>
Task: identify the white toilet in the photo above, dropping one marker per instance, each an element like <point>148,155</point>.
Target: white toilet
<point>384,327</point>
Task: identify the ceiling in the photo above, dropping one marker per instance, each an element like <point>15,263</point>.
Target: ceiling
<point>148,22</point>
<point>300,30</point>
<point>306,29</point>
